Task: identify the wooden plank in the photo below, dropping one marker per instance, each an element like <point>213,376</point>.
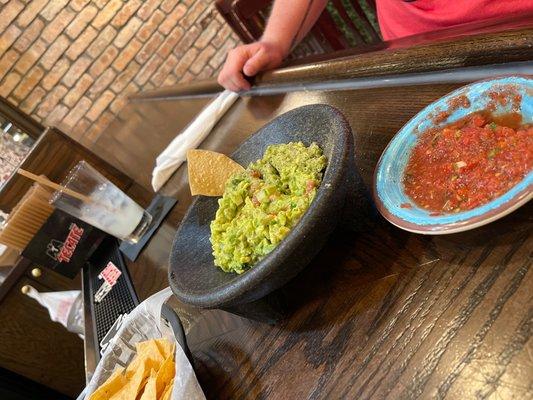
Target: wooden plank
<point>348,21</point>
<point>379,312</point>
<point>412,55</point>
<point>33,346</point>
<point>481,43</point>
<point>20,119</point>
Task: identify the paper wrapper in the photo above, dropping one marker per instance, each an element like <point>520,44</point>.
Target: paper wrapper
<point>176,152</point>
<point>144,323</point>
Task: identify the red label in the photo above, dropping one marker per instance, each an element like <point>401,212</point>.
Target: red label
<point>70,244</point>
<point>110,273</point>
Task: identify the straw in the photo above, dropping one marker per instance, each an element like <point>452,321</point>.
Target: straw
<point>46,182</point>
<point>27,217</point>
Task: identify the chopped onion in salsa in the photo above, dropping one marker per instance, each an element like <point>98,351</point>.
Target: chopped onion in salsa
<point>469,162</point>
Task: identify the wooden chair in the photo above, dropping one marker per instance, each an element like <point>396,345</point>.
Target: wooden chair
<point>343,24</point>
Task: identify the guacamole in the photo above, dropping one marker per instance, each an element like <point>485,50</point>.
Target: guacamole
<point>263,203</point>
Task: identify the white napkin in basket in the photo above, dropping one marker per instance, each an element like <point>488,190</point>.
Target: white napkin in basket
<point>191,137</point>
<point>144,323</point>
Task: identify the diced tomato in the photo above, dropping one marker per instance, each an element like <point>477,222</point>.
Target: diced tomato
<point>467,163</point>
<point>478,120</point>
<point>311,184</point>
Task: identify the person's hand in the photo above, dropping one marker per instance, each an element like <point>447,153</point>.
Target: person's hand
<point>249,59</point>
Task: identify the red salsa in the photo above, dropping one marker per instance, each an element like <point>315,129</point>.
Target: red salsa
<point>469,162</point>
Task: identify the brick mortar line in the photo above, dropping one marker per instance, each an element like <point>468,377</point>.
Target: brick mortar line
<point>108,107</point>
<point>150,79</point>
<point>76,14</point>
<point>228,38</point>
<point>199,15</point>
<point>117,95</point>
<point>134,37</point>
<point>192,25</point>
<point>128,20</point>
<point>14,20</point>
<point>20,54</point>
<point>155,52</point>
<point>216,51</point>
<point>209,9</point>
<point>38,61</point>
<point>214,69</point>
<point>86,72</point>
<point>111,64</point>
<point>71,41</point>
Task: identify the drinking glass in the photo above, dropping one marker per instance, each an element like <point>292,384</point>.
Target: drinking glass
<point>103,206</point>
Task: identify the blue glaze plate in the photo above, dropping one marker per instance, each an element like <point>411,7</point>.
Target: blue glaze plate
<point>389,192</point>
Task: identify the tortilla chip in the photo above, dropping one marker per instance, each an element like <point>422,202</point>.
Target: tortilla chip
<point>166,347</point>
<point>111,386</point>
<point>209,171</point>
<point>146,377</point>
<point>135,381</point>
<point>147,352</point>
<point>150,392</point>
<point>149,348</point>
<point>165,375</point>
<point>168,391</point>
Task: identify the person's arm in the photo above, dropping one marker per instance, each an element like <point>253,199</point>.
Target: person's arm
<point>288,23</point>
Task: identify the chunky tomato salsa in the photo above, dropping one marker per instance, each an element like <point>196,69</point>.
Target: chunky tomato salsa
<point>468,163</point>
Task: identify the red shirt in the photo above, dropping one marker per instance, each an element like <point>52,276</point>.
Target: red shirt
<point>398,18</point>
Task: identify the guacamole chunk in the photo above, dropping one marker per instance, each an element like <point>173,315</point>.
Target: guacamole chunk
<point>263,203</point>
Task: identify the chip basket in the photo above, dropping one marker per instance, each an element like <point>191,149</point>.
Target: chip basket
<point>142,324</point>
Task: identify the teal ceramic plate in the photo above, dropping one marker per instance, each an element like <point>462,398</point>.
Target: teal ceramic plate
<point>389,193</point>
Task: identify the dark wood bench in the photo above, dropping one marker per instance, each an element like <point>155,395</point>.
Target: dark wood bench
<point>342,25</point>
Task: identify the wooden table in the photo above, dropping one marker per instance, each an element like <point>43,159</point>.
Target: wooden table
<point>379,313</point>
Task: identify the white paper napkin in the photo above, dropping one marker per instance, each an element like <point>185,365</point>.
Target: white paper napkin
<point>191,137</point>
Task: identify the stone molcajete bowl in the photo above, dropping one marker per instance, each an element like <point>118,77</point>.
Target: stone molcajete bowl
<point>195,279</point>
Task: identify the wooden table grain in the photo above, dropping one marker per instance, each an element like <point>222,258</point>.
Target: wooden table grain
<point>380,312</point>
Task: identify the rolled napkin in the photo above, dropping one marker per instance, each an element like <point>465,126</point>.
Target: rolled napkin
<point>190,138</point>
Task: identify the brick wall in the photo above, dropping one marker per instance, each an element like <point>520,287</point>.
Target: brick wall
<point>70,63</point>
